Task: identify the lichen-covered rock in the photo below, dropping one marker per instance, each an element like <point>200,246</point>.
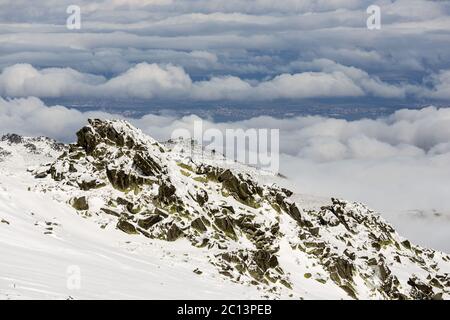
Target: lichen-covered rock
<point>165,192</point>
<point>80,203</point>
<point>126,227</point>
<point>202,197</point>
<point>174,233</point>
<point>238,188</point>
<point>150,221</point>
<point>198,225</point>
<point>226,225</point>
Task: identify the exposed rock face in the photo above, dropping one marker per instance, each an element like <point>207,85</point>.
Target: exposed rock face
<point>149,189</point>
<point>12,138</point>
<point>80,203</point>
<point>147,223</point>
<point>174,233</point>
<point>127,227</point>
<point>241,189</point>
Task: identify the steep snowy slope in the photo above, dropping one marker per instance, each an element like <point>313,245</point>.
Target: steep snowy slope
<point>142,219</point>
<point>43,241</point>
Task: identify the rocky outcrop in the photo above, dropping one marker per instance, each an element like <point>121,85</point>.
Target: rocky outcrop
<point>12,138</point>
<point>126,227</point>
<point>80,203</point>
<point>149,189</point>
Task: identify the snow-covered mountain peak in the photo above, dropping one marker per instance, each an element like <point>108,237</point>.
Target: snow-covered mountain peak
<point>252,233</point>
<point>118,133</point>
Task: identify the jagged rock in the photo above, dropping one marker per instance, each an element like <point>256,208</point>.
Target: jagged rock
<point>198,225</point>
<point>148,166</point>
<point>166,192</point>
<point>226,225</point>
<point>295,213</point>
<point>265,260</point>
<point>350,291</point>
<point>12,138</point>
<point>314,231</point>
<point>80,203</point>
<point>287,192</point>
<point>89,184</point>
<point>419,289</point>
<point>110,212</point>
<point>122,180</point>
<point>31,147</point>
<point>383,271</point>
<point>239,189</point>
<point>348,241</point>
<point>87,139</point>
<point>174,233</point>
<point>160,212</point>
<point>126,227</point>
<point>437,296</point>
<point>202,197</point>
<point>406,244</point>
<point>342,267</point>
<point>150,221</point>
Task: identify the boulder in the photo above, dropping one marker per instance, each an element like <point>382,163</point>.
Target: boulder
<point>87,139</point>
<point>198,225</point>
<point>265,260</point>
<point>202,197</point>
<point>147,165</point>
<point>147,223</point>
<point>80,203</point>
<point>174,233</point>
<point>166,192</point>
<point>126,227</point>
<point>226,225</point>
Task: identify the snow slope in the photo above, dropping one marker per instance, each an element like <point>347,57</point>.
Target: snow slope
<point>261,243</point>
<point>112,264</point>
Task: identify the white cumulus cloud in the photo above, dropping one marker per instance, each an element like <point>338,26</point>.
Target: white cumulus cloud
<point>320,78</point>
<point>399,164</point>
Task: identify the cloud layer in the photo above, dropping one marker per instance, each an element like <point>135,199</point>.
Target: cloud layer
<point>261,50</point>
<point>320,78</point>
<point>239,49</point>
<point>395,164</point>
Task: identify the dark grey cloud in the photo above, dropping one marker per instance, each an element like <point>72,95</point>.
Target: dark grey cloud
<point>250,40</point>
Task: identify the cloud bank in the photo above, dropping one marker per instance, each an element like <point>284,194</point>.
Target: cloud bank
<point>321,78</point>
<point>398,164</point>
<point>261,50</point>
<point>238,49</point>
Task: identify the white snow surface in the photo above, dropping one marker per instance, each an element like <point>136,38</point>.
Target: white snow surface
<point>37,264</point>
<point>43,239</point>
<point>112,264</point>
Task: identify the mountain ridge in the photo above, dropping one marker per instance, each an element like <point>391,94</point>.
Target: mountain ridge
<point>255,234</point>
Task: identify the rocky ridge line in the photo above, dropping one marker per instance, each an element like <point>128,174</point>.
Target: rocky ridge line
<point>161,192</point>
